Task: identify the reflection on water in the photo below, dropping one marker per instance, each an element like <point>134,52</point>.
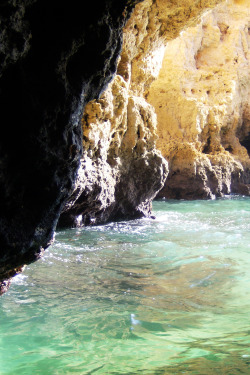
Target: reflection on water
<point>164,296</point>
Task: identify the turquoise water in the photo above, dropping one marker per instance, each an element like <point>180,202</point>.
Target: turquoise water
<point>163,296</point>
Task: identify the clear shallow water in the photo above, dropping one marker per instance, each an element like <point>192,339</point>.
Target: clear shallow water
<point>163,296</point>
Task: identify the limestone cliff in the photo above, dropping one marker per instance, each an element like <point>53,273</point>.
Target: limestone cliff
<point>201,98</point>
<point>121,168</point>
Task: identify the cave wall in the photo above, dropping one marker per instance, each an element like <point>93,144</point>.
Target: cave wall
<point>54,57</point>
<point>201,97</point>
<point>121,168</point>
<point>109,161</point>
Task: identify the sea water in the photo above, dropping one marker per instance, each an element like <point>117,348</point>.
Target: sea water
<point>169,295</point>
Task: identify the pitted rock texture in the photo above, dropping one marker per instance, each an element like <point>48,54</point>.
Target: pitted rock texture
<point>54,58</point>
<point>121,169</point>
<point>201,98</point>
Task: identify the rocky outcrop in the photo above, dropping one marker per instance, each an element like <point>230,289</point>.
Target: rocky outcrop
<point>201,98</point>
<point>54,58</point>
<point>121,169</point>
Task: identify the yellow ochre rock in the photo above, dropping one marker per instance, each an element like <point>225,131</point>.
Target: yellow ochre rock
<point>202,100</point>
<point>178,106</point>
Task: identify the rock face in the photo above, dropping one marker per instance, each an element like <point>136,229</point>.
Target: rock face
<point>121,168</point>
<point>54,58</point>
<point>201,98</point>
<point>184,102</point>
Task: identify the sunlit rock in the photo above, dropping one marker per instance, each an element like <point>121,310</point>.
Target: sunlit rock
<point>201,98</point>
<point>122,169</point>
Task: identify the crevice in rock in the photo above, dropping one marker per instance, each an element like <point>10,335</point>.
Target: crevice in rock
<point>246,143</point>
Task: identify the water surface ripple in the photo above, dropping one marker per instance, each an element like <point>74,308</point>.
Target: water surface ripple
<point>163,296</point>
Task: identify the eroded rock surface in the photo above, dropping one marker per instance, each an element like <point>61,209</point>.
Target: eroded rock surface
<point>54,58</point>
<point>201,98</point>
<point>184,103</point>
<point>122,170</point>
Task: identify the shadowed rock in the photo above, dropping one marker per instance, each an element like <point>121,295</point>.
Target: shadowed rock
<point>55,56</point>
